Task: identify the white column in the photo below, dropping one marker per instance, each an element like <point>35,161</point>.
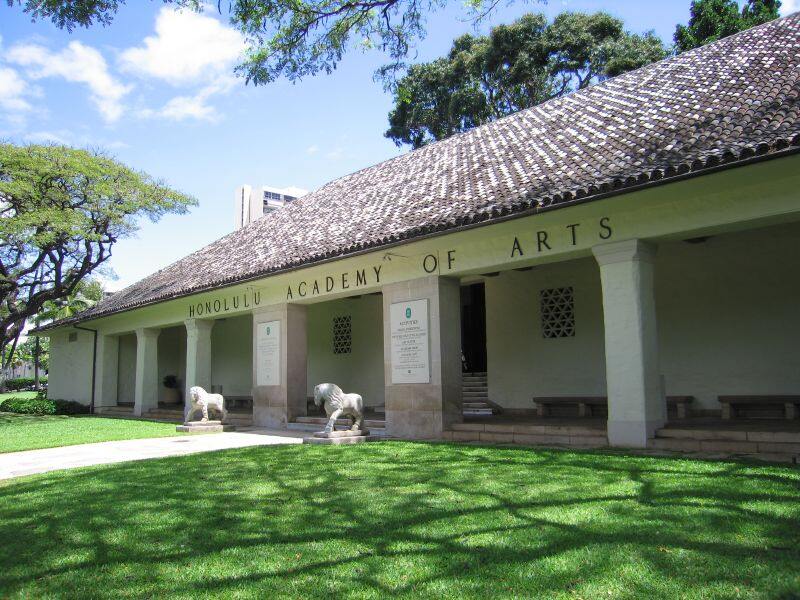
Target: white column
<point>146,389</point>
<point>198,357</point>
<point>105,393</point>
<point>424,410</point>
<point>636,403</point>
<point>278,402</point>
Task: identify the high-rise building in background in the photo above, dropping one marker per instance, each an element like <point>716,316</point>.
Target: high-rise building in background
<point>252,203</point>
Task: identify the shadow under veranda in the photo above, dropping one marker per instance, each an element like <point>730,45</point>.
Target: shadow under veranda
<point>393,501</point>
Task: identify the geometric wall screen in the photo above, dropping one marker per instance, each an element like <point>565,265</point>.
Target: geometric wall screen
<point>557,306</point>
<point>342,334</point>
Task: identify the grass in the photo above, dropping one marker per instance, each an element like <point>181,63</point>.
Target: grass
<point>28,432</point>
<point>7,395</point>
<point>407,520</point>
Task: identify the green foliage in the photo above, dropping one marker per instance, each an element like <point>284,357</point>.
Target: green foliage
<point>67,14</point>
<point>516,66</point>
<point>41,405</point>
<point>712,20</point>
<point>63,209</point>
<point>403,520</point>
<point>288,38</point>
<point>22,383</point>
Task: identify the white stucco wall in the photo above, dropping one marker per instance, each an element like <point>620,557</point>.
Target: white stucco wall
<point>70,376</point>
<point>126,369</point>
<point>727,322</point>
<point>361,371</point>
<point>232,356</point>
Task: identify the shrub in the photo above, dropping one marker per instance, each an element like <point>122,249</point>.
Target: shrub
<point>23,383</point>
<point>43,406</point>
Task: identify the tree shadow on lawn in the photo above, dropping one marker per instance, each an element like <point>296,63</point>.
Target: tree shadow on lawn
<point>404,519</point>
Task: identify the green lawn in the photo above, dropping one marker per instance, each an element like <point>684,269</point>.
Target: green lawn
<point>28,432</point>
<point>404,520</point>
<point>7,395</point>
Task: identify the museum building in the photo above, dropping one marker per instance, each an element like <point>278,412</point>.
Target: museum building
<point>589,271</point>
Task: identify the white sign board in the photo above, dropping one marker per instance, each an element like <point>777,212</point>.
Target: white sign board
<point>410,342</point>
<point>268,353</point>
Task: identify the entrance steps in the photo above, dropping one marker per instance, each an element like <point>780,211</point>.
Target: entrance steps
<point>528,434</point>
<point>114,411</point>
<point>475,396</point>
<point>314,424</point>
<point>779,446</point>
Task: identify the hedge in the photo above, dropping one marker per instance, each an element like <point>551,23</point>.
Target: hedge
<point>43,406</point>
<point>23,383</point>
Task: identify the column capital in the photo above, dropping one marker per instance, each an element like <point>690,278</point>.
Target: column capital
<point>147,333</point>
<point>199,324</point>
<point>624,251</point>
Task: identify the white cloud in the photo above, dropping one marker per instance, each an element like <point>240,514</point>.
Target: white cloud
<point>313,149</point>
<point>49,137</point>
<point>188,47</point>
<point>76,63</point>
<point>193,106</point>
<point>14,89</point>
<point>789,6</point>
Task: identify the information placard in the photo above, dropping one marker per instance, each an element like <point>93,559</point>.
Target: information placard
<point>268,353</point>
<point>410,342</point>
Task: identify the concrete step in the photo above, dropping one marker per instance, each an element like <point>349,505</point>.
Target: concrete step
<point>368,423</point>
<point>473,404</point>
<point>314,427</point>
<point>113,410</point>
<point>733,435</point>
<point>475,374</point>
<point>468,393</point>
<point>596,438</point>
<point>770,451</point>
<point>478,412</point>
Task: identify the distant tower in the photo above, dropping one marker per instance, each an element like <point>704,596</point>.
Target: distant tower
<point>253,203</point>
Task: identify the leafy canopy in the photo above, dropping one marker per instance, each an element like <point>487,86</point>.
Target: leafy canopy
<point>712,20</point>
<point>287,38</point>
<point>61,212</point>
<point>514,67</point>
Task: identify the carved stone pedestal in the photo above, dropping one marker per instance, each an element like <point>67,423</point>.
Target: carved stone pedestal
<point>340,437</point>
<point>204,427</point>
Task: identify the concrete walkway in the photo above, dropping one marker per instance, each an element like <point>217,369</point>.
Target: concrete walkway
<point>28,462</point>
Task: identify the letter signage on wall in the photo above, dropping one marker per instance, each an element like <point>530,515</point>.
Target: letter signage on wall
<point>410,342</point>
<point>268,353</point>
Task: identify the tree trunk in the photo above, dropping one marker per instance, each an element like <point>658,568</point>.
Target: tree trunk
<point>36,351</point>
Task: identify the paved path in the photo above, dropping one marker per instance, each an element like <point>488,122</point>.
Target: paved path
<point>28,462</point>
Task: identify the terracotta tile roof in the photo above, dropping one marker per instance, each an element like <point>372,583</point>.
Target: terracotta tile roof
<point>714,106</point>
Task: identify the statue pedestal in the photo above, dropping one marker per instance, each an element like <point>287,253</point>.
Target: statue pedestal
<point>204,427</point>
<point>340,437</point>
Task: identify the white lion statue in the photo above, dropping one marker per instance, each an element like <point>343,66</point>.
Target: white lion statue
<point>337,403</point>
<point>202,400</point>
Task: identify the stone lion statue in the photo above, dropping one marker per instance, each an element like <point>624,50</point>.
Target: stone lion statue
<point>337,403</point>
<point>202,400</point>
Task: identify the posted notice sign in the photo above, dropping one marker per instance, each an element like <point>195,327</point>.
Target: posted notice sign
<point>410,342</point>
<point>268,353</point>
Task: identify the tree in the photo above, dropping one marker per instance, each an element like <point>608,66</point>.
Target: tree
<point>712,20</point>
<point>516,66</point>
<point>35,349</point>
<point>61,212</point>
<point>287,38</point>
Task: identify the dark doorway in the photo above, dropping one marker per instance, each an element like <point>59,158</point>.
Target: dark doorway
<point>473,328</point>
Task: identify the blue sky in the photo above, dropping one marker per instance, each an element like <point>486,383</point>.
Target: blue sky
<point>156,89</point>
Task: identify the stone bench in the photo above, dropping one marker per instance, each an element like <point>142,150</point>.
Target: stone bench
<point>680,404</point>
<point>731,405</point>
<point>585,403</point>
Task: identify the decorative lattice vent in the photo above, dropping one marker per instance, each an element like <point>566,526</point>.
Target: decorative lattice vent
<point>558,312</point>
<point>342,334</point>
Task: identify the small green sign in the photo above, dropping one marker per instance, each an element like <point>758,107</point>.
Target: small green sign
<point>408,313</point>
